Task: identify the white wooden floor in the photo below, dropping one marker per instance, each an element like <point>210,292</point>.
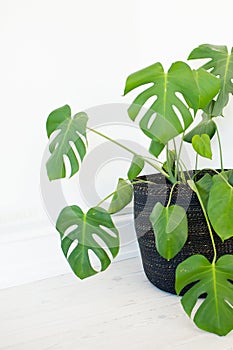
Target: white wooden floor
<point>118,309</point>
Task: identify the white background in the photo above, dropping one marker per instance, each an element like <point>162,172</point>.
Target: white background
<point>55,52</point>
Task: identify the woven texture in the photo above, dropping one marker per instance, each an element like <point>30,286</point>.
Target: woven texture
<point>158,270</point>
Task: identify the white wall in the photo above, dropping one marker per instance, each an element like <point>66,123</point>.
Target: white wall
<point>79,52</point>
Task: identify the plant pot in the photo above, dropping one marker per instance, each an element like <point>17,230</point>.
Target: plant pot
<point>158,270</point>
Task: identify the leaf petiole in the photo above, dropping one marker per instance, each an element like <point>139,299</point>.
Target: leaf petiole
<point>220,150</point>
<point>194,188</point>
<point>114,192</point>
<point>130,151</point>
<point>170,195</point>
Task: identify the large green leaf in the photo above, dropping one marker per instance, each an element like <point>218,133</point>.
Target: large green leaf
<point>220,207</point>
<point>122,196</point>
<point>201,144</point>
<point>69,140</point>
<point>84,230</point>
<point>220,64</point>
<point>215,314</point>
<point>170,228</point>
<point>197,88</point>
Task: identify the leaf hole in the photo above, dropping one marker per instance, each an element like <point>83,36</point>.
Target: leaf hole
<point>147,106</point>
<point>151,100</point>
<point>71,232</point>
<point>180,96</point>
<point>54,143</point>
<point>196,307</point>
<point>228,303</point>
<point>142,88</point>
<point>109,231</point>
<point>94,260</point>
<point>100,243</point>
<point>73,245</point>
<point>151,120</point>
<point>72,145</point>
<point>55,133</point>
<point>67,165</point>
<point>179,115</point>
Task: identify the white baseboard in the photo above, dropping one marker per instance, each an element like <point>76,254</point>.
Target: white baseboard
<point>30,250</point>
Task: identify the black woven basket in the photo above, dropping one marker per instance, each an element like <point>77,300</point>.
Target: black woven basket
<point>158,270</point>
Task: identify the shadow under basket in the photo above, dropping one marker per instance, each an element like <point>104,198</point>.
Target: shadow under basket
<point>159,271</point>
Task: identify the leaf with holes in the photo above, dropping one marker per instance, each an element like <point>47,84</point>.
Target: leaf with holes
<point>70,139</point>
<point>122,196</point>
<point>197,89</point>
<point>215,314</point>
<point>201,144</point>
<point>220,207</point>
<point>170,228</point>
<point>95,225</point>
<point>220,64</point>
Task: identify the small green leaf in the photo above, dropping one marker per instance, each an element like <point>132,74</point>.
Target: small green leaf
<point>206,126</point>
<point>121,197</point>
<point>220,207</point>
<point>136,167</point>
<point>76,227</point>
<point>203,186</point>
<point>70,130</point>
<point>156,148</point>
<point>201,144</point>
<point>215,313</point>
<point>170,228</point>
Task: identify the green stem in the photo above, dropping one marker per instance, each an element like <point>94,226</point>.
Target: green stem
<point>132,183</point>
<point>186,169</point>
<point>176,159</point>
<point>172,178</point>
<point>181,146</point>
<point>208,224</point>
<point>150,158</point>
<point>180,163</point>
<point>105,198</point>
<point>220,150</point>
<point>170,195</point>
<point>182,176</point>
<point>196,162</point>
<point>130,151</point>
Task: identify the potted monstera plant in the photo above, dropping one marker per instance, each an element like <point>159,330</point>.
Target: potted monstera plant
<point>183,217</point>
